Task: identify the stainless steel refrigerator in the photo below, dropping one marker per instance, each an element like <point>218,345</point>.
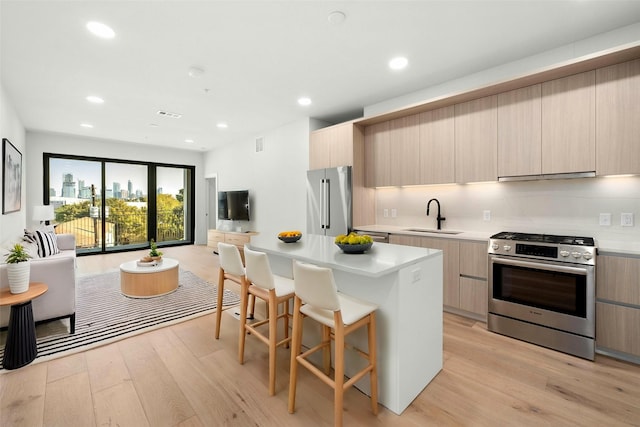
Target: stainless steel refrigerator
<point>329,201</point>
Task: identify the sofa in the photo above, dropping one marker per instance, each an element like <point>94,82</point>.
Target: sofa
<point>58,271</point>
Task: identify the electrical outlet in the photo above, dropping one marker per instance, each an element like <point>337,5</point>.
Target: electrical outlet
<point>626,219</point>
<point>385,213</point>
<point>605,219</point>
<point>486,215</point>
<point>394,213</point>
<point>416,275</point>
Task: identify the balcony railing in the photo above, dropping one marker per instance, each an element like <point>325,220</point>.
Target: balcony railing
<point>121,230</point>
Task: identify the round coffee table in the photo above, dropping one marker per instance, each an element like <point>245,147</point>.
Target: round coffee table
<point>149,281</point>
<point>21,348</point>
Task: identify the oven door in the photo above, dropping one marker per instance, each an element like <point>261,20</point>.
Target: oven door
<point>556,295</point>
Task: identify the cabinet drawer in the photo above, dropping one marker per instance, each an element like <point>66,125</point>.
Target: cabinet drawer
<point>473,259</point>
<point>617,328</point>
<point>473,295</point>
<point>236,239</point>
<point>617,279</point>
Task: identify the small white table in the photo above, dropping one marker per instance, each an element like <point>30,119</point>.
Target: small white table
<point>149,281</point>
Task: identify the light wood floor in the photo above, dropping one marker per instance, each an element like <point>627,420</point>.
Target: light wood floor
<point>182,376</point>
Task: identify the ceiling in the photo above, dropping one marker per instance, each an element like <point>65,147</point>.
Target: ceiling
<point>258,58</point>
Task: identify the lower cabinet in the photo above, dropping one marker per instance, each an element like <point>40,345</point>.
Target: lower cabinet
<point>464,272</point>
<point>231,237</point>
<point>618,307</point>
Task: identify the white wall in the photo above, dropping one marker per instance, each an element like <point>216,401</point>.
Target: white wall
<point>11,128</point>
<point>568,206</point>
<point>40,142</point>
<point>275,177</point>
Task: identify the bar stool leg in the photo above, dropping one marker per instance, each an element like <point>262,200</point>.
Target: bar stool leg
<point>273,339</point>
<point>296,344</point>
<point>373,359</point>
<point>326,349</point>
<point>219,302</point>
<point>244,297</point>
<point>339,372</point>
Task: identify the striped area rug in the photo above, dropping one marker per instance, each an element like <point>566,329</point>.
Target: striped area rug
<point>104,315</point>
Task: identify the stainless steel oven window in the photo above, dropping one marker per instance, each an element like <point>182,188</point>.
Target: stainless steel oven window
<point>550,290</point>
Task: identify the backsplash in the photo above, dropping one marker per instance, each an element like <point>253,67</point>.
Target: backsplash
<point>565,206</point>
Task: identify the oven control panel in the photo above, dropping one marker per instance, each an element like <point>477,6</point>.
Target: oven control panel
<point>562,253</point>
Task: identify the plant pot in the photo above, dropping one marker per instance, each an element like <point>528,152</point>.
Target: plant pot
<point>156,258</point>
<point>18,275</point>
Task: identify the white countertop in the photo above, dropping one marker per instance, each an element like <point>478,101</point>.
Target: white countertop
<point>381,259</point>
<point>482,236</point>
<point>605,247</point>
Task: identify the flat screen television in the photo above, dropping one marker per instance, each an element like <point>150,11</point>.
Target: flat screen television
<point>233,205</point>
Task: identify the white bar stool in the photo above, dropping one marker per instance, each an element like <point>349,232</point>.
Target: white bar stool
<point>274,290</point>
<point>316,296</point>
<point>231,268</point>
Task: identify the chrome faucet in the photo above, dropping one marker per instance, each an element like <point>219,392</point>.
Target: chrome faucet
<point>439,218</point>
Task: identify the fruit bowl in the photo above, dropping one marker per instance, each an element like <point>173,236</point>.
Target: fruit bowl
<point>355,249</point>
<point>289,236</point>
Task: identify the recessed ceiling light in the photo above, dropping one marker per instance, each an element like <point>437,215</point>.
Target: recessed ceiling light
<point>189,141</point>
<point>154,125</point>
<point>86,125</point>
<point>222,125</point>
<point>195,72</point>
<point>95,99</point>
<point>101,30</point>
<point>304,101</point>
<point>398,63</point>
<point>336,17</point>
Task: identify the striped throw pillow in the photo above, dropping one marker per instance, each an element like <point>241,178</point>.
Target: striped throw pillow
<point>47,242</point>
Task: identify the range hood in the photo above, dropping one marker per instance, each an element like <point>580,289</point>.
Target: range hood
<point>547,176</point>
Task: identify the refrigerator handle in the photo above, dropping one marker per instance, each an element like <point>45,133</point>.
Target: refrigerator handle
<point>322,198</point>
<point>327,206</point>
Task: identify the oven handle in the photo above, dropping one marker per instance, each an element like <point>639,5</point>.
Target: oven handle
<point>541,266</point>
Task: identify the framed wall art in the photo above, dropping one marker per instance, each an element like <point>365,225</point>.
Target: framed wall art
<point>12,177</point>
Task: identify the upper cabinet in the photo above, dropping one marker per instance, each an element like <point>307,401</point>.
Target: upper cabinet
<point>437,163</point>
<point>377,150</point>
<point>568,124</point>
<point>343,145</point>
<point>476,140</point>
<point>404,156</point>
<point>331,146</point>
<point>520,132</point>
<point>618,119</point>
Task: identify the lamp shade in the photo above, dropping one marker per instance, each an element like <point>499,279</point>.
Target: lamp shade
<point>43,213</point>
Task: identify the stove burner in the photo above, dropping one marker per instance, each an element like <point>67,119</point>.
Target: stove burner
<point>545,238</point>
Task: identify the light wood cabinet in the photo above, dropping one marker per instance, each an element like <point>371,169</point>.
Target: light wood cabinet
<point>437,161</point>
<point>568,124</point>
<point>450,267</point>
<point>618,305</point>
<point>377,151</point>
<point>343,145</point>
<point>473,278</point>
<point>476,140</point>
<point>230,237</point>
<point>331,147</point>
<point>618,119</point>
<point>520,132</point>
<point>404,153</point>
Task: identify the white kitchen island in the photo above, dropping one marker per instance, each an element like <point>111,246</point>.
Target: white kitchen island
<point>405,282</point>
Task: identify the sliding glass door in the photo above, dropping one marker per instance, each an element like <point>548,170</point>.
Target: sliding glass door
<point>112,205</point>
<point>126,210</point>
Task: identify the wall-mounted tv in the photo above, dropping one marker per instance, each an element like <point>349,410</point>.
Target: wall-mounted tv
<point>233,205</point>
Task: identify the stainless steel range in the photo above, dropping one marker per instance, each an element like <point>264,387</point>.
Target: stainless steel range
<point>542,290</point>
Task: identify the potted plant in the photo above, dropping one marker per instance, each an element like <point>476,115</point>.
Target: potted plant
<point>18,269</point>
<point>154,253</point>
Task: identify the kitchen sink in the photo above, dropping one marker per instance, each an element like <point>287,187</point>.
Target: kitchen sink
<point>431,230</point>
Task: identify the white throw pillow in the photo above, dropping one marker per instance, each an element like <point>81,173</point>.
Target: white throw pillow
<point>47,242</point>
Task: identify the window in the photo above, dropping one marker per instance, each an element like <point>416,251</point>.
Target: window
<point>113,205</point>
